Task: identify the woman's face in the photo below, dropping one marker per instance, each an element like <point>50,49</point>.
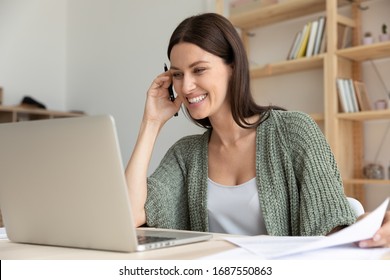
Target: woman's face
<point>201,79</point>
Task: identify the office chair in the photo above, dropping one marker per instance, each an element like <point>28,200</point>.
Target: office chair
<point>356,206</point>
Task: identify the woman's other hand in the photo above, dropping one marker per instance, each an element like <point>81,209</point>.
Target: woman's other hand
<point>381,237</point>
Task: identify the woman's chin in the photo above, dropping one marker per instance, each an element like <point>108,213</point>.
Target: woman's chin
<point>198,116</point>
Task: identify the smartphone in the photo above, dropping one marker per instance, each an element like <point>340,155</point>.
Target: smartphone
<point>170,89</point>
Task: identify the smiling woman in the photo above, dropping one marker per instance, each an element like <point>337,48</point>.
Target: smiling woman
<point>200,78</point>
<point>253,163</point>
<point>212,35</point>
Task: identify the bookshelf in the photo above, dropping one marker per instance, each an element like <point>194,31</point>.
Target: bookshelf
<point>344,131</point>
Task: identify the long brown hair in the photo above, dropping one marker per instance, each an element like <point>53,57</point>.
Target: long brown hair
<point>216,35</point>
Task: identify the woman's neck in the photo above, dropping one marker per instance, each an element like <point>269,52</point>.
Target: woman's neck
<point>227,132</point>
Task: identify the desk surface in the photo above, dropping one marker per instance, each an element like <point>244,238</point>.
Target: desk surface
<point>16,251</point>
<point>13,251</point>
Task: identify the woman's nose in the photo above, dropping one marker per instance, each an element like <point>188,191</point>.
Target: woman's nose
<point>188,85</point>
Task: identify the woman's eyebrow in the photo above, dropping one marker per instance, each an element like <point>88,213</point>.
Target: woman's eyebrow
<point>190,66</point>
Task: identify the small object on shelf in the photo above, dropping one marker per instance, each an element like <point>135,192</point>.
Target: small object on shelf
<point>31,102</point>
<point>380,104</point>
<point>80,112</point>
<point>368,39</point>
<point>384,36</point>
<point>373,171</point>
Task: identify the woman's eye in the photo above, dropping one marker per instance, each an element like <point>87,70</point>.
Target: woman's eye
<point>177,75</point>
<point>199,70</point>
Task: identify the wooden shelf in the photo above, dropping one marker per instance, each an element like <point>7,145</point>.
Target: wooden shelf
<point>365,115</point>
<point>287,10</point>
<point>262,16</point>
<point>366,52</point>
<point>366,182</point>
<point>288,66</point>
<point>21,109</point>
<point>15,113</point>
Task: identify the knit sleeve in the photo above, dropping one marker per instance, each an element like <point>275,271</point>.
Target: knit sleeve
<point>167,204</point>
<point>323,205</point>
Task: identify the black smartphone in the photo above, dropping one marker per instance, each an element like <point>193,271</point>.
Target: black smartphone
<point>170,89</point>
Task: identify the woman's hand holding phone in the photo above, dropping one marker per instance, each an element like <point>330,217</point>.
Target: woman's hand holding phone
<point>159,104</point>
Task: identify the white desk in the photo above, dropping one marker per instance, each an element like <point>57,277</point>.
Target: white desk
<point>16,251</point>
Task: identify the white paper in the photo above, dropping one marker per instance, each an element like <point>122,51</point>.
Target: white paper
<point>279,246</point>
<point>342,252</point>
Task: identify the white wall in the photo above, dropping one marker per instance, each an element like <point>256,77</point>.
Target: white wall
<point>100,56</point>
<point>115,50</point>
<point>33,51</point>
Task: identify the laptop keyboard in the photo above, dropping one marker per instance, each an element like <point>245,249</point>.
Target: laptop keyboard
<point>150,239</point>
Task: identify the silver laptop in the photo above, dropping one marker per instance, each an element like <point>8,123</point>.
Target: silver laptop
<point>62,183</point>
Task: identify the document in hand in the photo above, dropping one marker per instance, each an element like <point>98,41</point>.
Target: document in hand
<point>273,247</point>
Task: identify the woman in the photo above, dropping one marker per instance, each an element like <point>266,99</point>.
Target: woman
<point>256,170</point>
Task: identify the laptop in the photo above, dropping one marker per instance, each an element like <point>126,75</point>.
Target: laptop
<point>62,183</point>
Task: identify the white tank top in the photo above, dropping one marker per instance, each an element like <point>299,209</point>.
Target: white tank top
<point>235,209</point>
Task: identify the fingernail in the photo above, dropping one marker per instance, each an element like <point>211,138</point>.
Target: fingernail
<point>362,244</point>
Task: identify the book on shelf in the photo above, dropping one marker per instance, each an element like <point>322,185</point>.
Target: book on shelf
<point>323,40</point>
<point>362,96</point>
<point>319,35</point>
<point>295,45</point>
<point>310,40</point>
<point>353,96</point>
<point>305,38</point>
<point>344,36</point>
<point>342,91</point>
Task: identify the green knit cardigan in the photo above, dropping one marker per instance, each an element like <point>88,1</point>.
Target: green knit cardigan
<point>299,185</point>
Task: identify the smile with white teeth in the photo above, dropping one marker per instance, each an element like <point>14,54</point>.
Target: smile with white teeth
<point>196,99</point>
